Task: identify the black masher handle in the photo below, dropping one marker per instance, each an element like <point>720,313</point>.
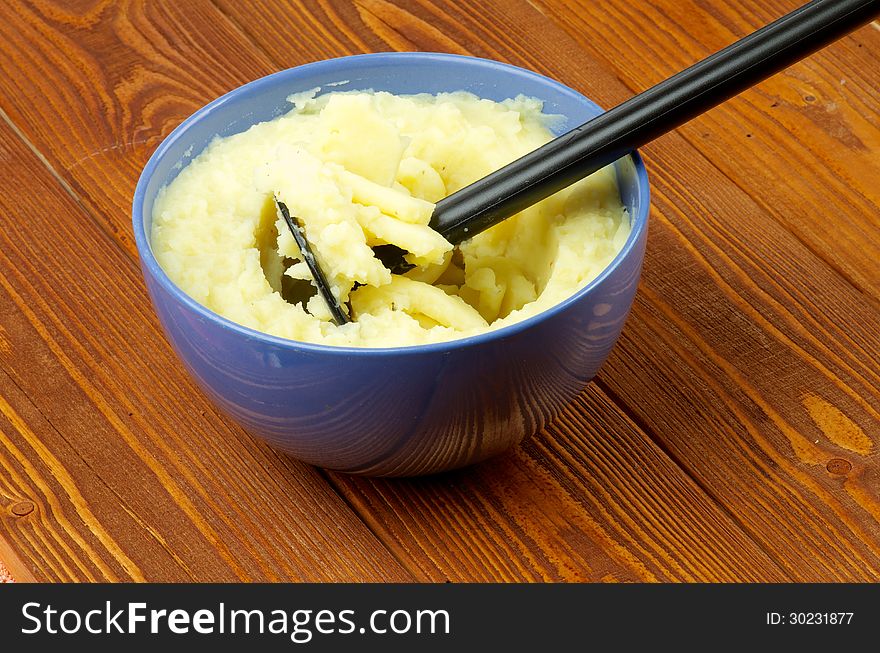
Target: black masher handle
<point>669,104</point>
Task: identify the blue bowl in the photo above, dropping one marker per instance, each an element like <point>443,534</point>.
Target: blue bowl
<point>400,411</point>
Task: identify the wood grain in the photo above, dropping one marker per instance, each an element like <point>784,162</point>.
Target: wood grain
<point>695,457</point>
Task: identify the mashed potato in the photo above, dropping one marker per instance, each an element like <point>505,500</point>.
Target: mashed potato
<point>363,169</point>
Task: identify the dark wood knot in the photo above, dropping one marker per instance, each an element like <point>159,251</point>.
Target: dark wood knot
<point>22,508</point>
<point>839,466</point>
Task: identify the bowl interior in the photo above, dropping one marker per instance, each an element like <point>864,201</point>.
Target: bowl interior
<point>398,72</point>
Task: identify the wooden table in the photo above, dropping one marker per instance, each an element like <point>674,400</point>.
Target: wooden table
<point>733,434</point>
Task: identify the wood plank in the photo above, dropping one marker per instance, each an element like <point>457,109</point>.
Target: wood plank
<point>803,143</point>
<point>47,513</point>
<point>132,473</point>
<point>532,553</point>
<point>777,328</point>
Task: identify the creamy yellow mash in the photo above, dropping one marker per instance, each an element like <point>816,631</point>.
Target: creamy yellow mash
<point>362,169</point>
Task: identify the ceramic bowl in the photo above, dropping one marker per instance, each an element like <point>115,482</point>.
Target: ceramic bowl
<point>399,411</point>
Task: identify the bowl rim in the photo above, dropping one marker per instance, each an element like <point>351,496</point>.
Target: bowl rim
<point>150,264</point>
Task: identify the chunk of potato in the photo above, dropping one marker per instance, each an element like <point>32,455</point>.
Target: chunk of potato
<point>421,179</point>
<point>506,288</point>
<point>354,135</point>
<point>417,299</point>
<point>430,273</point>
<point>520,291</point>
<point>426,245</point>
<point>388,200</point>
<point>491,290</point>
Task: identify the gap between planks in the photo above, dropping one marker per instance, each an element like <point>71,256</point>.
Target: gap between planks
<point>58,177</point>
<point>28,143</point>
<point>19,571</point>
<point>366,518</point>
<point>646,428</point>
